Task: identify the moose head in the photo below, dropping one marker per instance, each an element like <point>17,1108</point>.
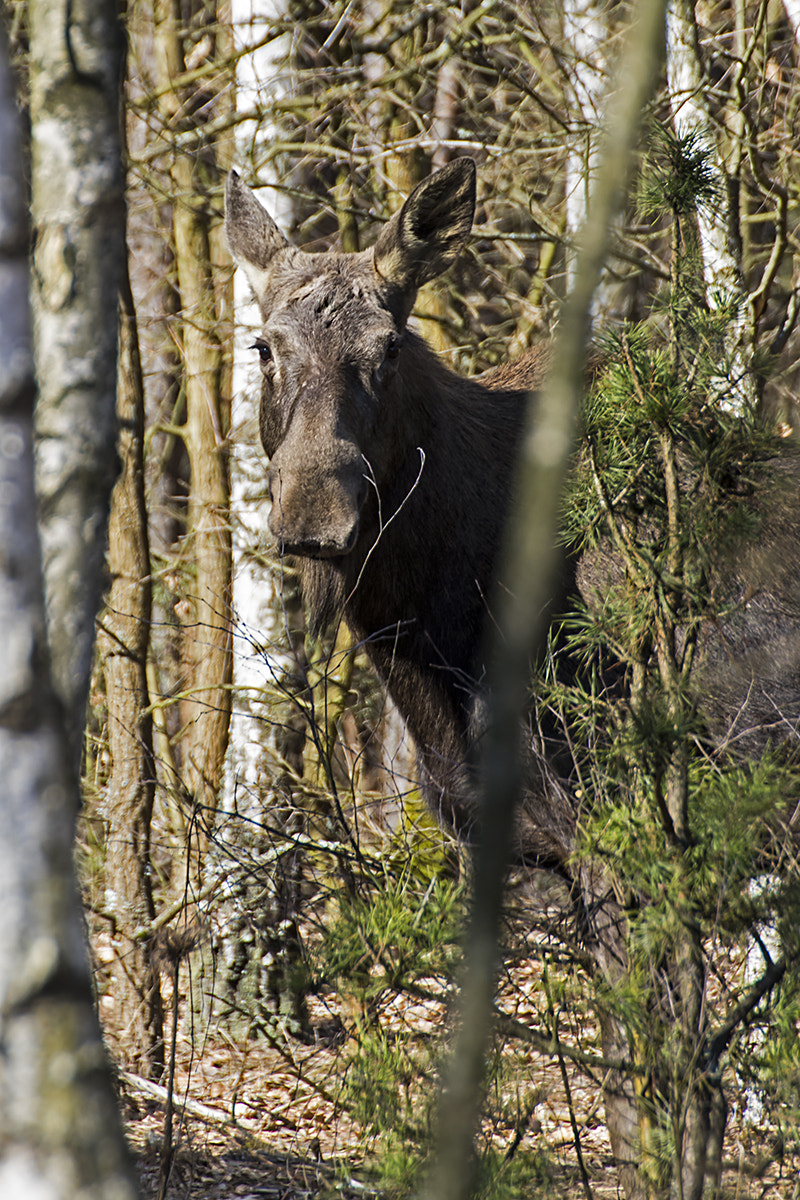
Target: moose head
<point>332,346</point>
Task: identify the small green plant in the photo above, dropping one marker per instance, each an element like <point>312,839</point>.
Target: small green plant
<point>394,946</point>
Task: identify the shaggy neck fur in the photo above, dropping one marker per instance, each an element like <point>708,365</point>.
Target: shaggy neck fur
<point>417,588</point>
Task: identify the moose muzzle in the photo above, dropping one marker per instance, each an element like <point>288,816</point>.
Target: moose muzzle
<point>315,514</point>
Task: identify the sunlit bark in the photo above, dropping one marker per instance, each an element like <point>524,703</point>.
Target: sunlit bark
<point>79,254</point>
<point>128,802</point>
<point>206,627</point>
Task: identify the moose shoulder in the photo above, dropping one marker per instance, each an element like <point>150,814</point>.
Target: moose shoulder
<point>390,482</point>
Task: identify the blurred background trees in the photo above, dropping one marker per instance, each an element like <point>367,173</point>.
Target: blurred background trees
<point>252,837</point>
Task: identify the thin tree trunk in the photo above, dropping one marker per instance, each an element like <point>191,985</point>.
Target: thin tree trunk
<point>60,1134</point>
<point>718,224</point>
<point>605,936</point>
<point>257,932</point>
<point>792,10</point>
<point>79,260</point>
<point>588,36</point>
<point>405,168</point>
<point>156,302</point>
<point>208,639</point>
<point>128,804</point>
<point>207,631</point>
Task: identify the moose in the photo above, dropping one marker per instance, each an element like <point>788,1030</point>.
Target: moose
<point>390,479</point>
<point>389,475</point>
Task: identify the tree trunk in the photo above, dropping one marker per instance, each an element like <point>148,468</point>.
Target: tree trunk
<point>79,261</point>
<point>718,224</point>
<point>207,640</point>
<point>588,35</point>
<point>530,563</point>
<point>151,265</point>
<point>128,805</point>
<point>792,10</point>
<point>60,1134</point>
<point>207,627</point>
<point>406,166</point>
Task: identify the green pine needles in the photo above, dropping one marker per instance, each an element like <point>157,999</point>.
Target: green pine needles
<point>694,841</point>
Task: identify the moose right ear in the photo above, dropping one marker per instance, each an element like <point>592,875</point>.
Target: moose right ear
<point>253,236</point>
<point>428,233</point>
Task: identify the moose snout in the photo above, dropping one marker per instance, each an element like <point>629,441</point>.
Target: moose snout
<point>315,517</point>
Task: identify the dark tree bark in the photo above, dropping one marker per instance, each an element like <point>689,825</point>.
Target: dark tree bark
<point>128,804</point>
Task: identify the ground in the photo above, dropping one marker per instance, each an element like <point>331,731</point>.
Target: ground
<point>261,1119</point>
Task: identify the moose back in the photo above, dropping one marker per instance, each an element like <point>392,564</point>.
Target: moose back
<point>390,480</point>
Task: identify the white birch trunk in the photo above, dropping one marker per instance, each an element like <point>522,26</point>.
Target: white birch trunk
<point>79,254</point>
<point>792,10</point>
<point>250,937</point>
<point>60,1136</point>
<point>686,85</point>
<point>257,628</point>
<point>586,33</point>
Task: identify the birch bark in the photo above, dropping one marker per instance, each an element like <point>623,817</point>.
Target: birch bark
<point>687,85</point>
<point>257,934</point>
<point>79,256</point>
<point>792,9</point>
<point>587,36</point>
<point>60,1136</point>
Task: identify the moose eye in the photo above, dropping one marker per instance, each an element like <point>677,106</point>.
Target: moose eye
<point>264,352</point>
<point>393,346</point>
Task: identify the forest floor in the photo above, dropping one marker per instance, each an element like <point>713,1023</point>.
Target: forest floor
<point>260,1119</point>
<point>288,1137</point>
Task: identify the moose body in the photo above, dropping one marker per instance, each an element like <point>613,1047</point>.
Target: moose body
<point>390,479</point>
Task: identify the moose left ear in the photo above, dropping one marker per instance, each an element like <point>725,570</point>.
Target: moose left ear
<point>428,233</point>
<point>253,236</point>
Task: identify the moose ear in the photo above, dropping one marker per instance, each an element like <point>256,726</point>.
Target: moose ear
<point>253,236</point>
<point>428,233</point>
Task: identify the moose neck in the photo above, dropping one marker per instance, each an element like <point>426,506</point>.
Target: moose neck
<point>417,586</point>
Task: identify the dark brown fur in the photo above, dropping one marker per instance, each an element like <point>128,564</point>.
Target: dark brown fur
<point>389,474</point>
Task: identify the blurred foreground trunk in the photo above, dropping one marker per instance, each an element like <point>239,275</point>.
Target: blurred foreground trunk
<point>532,561</point>
<point>60,1134</point>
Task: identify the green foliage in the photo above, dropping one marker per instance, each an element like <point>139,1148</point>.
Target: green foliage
<point>393,946</point>
<point>640,398</point>
<point>387,1089</point>
<point>503,1178</point>
<point>390,933</point>
<point>668,486</point>
<point>680,175</point>
<point>389,942</point>
<point>421,845</point>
